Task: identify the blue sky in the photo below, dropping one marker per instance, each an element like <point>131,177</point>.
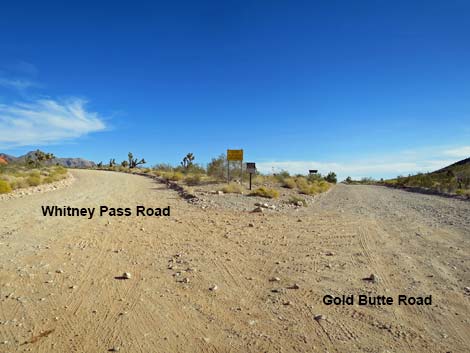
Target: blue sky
<point>364,88</point>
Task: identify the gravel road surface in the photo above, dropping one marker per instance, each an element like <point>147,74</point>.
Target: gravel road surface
<point>216,280</point>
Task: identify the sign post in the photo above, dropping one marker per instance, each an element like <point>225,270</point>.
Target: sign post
<point>251,168</point>
<point>234,155</point>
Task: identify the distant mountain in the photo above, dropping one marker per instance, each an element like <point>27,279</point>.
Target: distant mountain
<point>66,162</point>
<point>74,162</point>
<point>8,157</point>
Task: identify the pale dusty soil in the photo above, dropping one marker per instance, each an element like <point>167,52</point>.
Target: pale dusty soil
<point>416,244</point>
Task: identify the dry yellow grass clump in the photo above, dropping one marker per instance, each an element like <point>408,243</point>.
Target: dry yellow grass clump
<point>315,187</point>
<point>232,188</point>
<point>265,192</point>
<point>18,177</point>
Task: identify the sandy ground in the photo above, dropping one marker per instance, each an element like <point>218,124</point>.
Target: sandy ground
<point>60,289</point>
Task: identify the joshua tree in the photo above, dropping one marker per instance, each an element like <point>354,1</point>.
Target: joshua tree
<point>124,164</point>
<point>30,162</point>
<point>39,157</point>
<point>112,162</point>
<point>188,160</point>
<point>100,164</point>
<point>134,162</point>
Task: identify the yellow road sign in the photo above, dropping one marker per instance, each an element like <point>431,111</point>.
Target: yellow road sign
<point>235,155</point>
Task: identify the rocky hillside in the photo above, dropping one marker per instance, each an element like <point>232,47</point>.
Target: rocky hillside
<point>459,169</point>
<point>66,162</point>
<point>453,179</point>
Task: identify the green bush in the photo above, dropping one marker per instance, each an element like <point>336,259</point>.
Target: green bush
<point>4,187</point>
<point>265,192</point>
<point>462,192</point>
<point>314,177</point>
<point>218,167</point>
<point>331,178</point>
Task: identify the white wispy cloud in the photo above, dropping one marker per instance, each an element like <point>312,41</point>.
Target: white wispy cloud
<point>460,152</point>
<point>403,163</point>
<point>46,121</point>
<point>18,84</point>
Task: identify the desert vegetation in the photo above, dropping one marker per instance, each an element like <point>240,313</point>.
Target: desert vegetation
<point>312,184</point>
<point>16,176</point>
<point>232,188</point>
<point>453,179</point>
<point>447,182</point>
<point>190,173</point>
<point>269,193</point>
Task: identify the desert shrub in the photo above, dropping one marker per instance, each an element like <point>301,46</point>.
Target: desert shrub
<point>176,176</point>
<point>35,173</point>
<point>34,180</point>
<point>281,176</point>
<point>331,178</point>
<point>232,188</point>
<point>4,187</point>
<point>48,180</point>
<point>368,181</point>
<point>160,172</point>
<point>173,176</point>
<point>265,192</point>
<point>308,190</point>
<point>164,167</point>
<point>289,183</point>
<point>323,186</point>
<point>301,183</point>
<point>294,200</point>
<point>194,179</point>
<point>217,167</point>
<point>60,170</point>
<point>315,187</point>
<point>258,179</point>
<point>195,169</point>
<point>19,183</point>
<point>314,177</point>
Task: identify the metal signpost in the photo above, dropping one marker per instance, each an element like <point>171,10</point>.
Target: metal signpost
<point>251,168</point>
<point>234,155</point>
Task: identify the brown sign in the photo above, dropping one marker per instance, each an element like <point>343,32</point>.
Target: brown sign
<point>251,168</point>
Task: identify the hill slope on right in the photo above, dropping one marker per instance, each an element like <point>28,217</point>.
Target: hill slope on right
<point>453,179</point>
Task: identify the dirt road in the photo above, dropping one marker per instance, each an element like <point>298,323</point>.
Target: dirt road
<point>60,289</point>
